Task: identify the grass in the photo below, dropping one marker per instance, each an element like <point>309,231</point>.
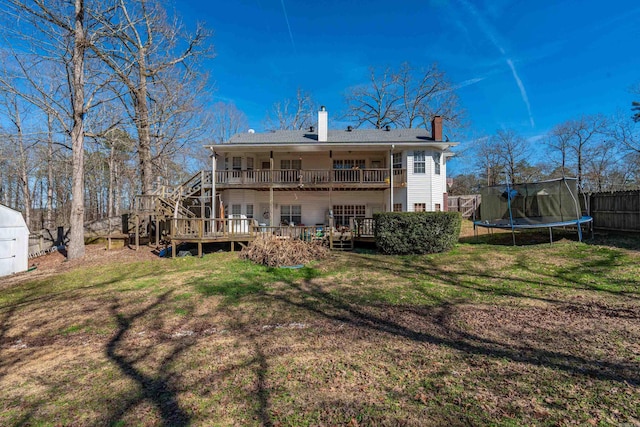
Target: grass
<point>484,335</point>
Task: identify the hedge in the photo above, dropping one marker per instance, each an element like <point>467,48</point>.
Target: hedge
<point>402,233</point>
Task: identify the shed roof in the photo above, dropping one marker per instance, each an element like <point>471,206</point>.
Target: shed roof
<point>10,218</point>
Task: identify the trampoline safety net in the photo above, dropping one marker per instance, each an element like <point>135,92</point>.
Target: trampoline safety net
<point>531,203</point>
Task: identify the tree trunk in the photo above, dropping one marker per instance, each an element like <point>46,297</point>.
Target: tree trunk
<point>144,134</point>
<point>117,191</point>
<point>110,202</point>
<point>24,164</point>
<point>580,170</point>
<point>76,241</point>
<point>49,215</point>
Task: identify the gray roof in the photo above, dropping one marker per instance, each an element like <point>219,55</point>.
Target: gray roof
<point>334,136</point>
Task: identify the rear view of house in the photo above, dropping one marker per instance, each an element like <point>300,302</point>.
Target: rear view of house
<point>308,176</point>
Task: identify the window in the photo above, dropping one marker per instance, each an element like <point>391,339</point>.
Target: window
<point>290,214</point>
<point>249,211</point>
<point>419,207</point>
<point>236,209</point>
<point>291,164</point>
<point>419,162</point>
<point>397,160</point>
<point>346,170</point>
<point>438,207</point>
<point>249,163</point>
<point>342,213</point>
<point>436,163</point>
<point>349,164</point>
<point>237,163</point>
<point>397,207</point>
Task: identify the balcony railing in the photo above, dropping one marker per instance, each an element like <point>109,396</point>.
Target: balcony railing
<point>316,177</point>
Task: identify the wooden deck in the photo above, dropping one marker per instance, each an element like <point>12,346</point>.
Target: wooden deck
<point>242,231</point>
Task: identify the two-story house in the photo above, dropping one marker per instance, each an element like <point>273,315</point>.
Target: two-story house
<point>308,176</point>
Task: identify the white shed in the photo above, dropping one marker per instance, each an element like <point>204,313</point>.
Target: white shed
<point>14,242</point>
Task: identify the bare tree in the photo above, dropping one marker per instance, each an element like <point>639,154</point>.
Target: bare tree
<point>583,132</point>
<point>63,33</point>
<point>558,140</point>
<point>22,150</point>
<point>511,149</point>
<point>600,164</point>
<point>426,93</point>
<point>404,98</point>
<point>488,160</point>
<point>376,103</point>
<point>292,114</point>
<point>635,105</point>
<point>140,44</point>
<point>228,120</point>
<point>625,132</point>
<point>573,139</point>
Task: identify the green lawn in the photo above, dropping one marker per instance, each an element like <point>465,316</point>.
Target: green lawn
<point>483,335</point>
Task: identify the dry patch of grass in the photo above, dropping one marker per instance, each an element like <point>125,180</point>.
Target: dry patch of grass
<point>537,335</point>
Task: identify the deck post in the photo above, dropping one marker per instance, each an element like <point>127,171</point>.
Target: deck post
<point>331,235</point>
<point>213,185</point>
<point>391,179</point>
<point>157,230</point>
<point>271,213</point>
<point>200,249</point>
<point>137,232</point>
<point>173,248</point>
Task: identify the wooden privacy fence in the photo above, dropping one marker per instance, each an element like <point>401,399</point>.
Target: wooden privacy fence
<point>466,205</point>
<point>616,211</point>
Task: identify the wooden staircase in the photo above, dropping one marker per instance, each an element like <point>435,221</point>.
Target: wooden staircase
<point>341,241</point>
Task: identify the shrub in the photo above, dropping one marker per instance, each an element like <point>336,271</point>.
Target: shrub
<point>401,233</point>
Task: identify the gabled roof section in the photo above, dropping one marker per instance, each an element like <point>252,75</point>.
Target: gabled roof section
<point>334,137</point>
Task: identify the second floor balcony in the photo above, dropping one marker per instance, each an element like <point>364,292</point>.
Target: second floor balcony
<point>310,179</point>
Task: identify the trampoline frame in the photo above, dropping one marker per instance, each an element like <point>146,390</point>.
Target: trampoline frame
<point>514,225</point>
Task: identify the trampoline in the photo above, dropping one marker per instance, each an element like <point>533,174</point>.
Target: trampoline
<point>545,204</point>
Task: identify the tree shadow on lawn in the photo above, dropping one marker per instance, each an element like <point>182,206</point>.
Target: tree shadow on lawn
<point>337,309</point>
<point>524,237</point>
<point>309,296</point>
<point>39,295</point>
<point>163,388</point>
<point>469,275</point>
<point>160,390</point>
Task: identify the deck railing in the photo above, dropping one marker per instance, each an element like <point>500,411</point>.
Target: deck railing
<point>238,229</point>
<point>310,176</point>
<point>364,227</point>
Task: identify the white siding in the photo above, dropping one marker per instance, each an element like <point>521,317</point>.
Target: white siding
<point>314,204</point>
<point>439,182</point>
<point>399,196</point>
<point>427,188</point>
<point>418,185</point>
<point>238,197</point>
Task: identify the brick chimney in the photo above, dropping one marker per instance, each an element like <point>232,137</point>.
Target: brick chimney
<point>323,125</point>
<point>436,128</point>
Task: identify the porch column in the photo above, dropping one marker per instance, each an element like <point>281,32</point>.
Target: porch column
<point>390,209</point>
<point>271,212</point>
<point>213,185</point>
<point>331,186</point>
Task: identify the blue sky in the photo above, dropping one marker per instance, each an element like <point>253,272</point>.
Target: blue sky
<point>523,65</point>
